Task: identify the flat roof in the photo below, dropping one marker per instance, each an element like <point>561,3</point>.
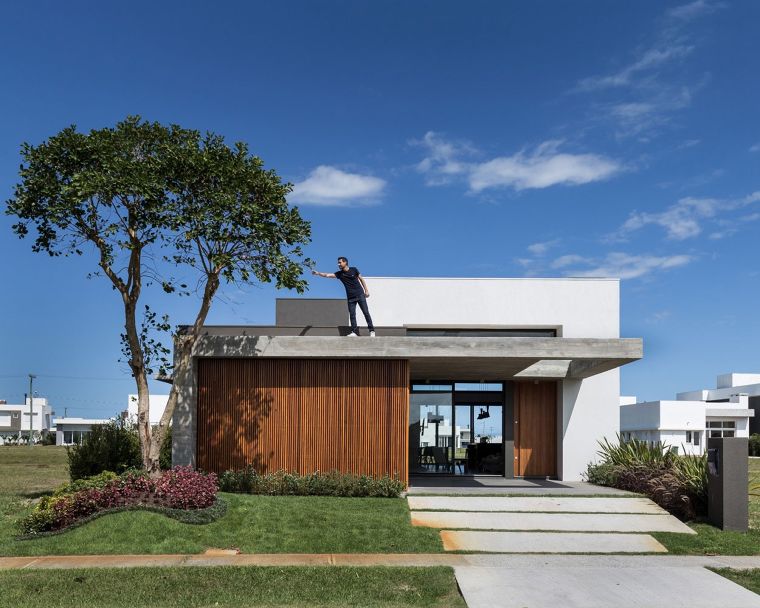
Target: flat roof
<point>463,358</point>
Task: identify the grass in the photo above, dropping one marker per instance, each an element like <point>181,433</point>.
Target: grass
<point>187,587</point>
<point>710,540</point>
<point>254,524</point>
<point>746,578</point>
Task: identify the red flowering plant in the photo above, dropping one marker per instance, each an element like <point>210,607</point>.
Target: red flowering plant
<point>178,488</point>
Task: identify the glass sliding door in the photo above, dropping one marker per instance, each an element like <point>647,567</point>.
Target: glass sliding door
<point>456,429</point>
<point>431,445</point>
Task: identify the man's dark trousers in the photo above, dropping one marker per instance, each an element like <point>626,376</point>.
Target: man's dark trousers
<point>362,302</point>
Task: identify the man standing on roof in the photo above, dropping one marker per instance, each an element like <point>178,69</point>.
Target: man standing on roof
<point>356,293</point>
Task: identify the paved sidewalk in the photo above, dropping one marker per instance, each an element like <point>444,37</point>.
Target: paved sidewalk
<point>534,561</point>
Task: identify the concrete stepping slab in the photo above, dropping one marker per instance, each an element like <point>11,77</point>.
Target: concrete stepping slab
<point>547,504</point>
<point>600,587</point>
<point>565,522</point>
<point>549,542</point>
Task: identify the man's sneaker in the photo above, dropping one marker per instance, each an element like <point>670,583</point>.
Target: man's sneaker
<point>372,334</point>
<point>352,335</point>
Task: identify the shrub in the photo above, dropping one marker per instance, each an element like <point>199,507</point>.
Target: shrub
<point>110,447</point>
<point>184,488</point>
<point>95,481</point>
<point>334,483</point>
<point>177,489</point>
<point>165,455</point>
<point>676,483</point>
<point>602,474</point>
<point>754,444</point>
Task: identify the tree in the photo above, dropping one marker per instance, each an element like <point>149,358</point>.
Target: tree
<point>153,202</point>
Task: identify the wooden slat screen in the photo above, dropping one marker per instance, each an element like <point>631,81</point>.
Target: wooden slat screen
<point>304,415</point>
<point>536,429</point>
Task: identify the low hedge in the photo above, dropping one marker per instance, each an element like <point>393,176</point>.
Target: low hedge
<point>334,483</point>
<point>185,516</point>
<point>180,488</point>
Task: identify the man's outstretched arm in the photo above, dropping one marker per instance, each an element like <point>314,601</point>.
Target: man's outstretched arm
<point>326,275</point>
<point>364,286</point>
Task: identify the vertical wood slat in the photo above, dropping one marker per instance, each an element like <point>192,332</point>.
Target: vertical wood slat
<point>304,415</point>
<point>536,429</point>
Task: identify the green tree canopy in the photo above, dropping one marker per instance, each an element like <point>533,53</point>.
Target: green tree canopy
<point>156,203</point>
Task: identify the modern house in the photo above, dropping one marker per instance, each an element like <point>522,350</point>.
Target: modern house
<point>510,377</point>
<point>685,423</point>
<point>15,420</point>
<point>70,430</point>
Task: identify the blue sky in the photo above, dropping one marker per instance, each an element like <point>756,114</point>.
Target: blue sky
<point>423,138</point>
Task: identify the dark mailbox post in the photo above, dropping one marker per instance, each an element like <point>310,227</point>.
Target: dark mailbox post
<point>727,479</point>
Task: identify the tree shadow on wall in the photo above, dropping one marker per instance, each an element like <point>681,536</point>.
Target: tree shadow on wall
<point>240,428</point>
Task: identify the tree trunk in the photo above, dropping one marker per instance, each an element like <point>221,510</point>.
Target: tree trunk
<point>182,362</point>
<point>137,365</point>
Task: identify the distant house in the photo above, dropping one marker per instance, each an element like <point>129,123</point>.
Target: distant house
<point>157,407</point>
<point>693,416</point>
<point>69,431</point>
<point>732,384</point>
<point>14,420</point>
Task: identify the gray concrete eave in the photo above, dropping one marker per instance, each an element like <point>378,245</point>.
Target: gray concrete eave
<point>444,357</point>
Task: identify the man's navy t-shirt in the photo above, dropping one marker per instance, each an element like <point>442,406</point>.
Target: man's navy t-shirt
<point>350,280</point>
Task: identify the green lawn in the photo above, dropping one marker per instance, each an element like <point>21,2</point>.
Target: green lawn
<point>254,524</point>
<point>187,587</point>
<point>712,541</point>
<point>746,578</point>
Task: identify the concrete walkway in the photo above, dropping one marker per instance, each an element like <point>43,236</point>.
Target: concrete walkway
<point>424,485</point>
<point>535,504</point>
<point>545,524</point>
<point>559,522</point>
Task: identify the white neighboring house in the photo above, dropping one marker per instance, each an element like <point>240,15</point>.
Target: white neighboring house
<point>686,422</point>
<point>728,385</point>
<point>157,407</point>
<point>14,419</point>
<point>69,431</point>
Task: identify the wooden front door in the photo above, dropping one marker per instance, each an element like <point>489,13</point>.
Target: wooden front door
<point>535,429</point>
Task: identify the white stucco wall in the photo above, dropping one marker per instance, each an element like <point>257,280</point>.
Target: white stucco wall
<point>589,414</point>
<point>581,308</point>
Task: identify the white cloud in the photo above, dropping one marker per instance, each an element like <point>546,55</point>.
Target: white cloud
<point>328,186</point>
<point>545,166</point>
<point>684,219</point>
<point>755,147</point>
<point>659,316</point>
<point>640,97</point>
<point>649,60</point>
<point>542,248</point>
<point>542,168</point>
<point>626,266</point>
<point>568,260</point>
<point>442,161</point>
<point>694,9</point>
